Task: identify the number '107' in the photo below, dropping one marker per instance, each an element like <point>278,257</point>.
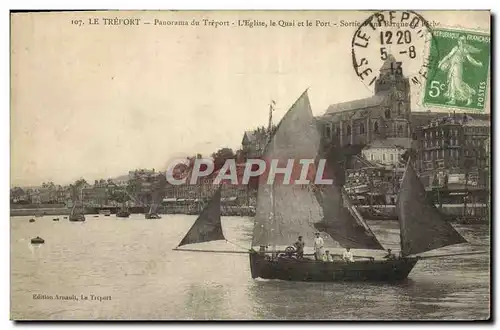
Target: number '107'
<point>402,37</point>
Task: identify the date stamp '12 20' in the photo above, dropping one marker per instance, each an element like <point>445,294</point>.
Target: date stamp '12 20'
<point>460,74</point>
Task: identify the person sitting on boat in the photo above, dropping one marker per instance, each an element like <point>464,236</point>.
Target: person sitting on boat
<point>327,257</point>
<point>347,256</point>
<point>318,247</point>
<point>299,248</point>
<point>390,255</point>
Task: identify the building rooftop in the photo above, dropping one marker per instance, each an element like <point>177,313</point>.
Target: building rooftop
<point>423,118</point>
<point>372,101</point>
<point>478,122</point>
<point>405,143</point>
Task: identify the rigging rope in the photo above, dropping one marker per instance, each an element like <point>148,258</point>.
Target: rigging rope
<point>235,244</point>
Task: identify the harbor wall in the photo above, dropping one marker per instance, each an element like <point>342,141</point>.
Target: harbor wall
<point>453,212</point>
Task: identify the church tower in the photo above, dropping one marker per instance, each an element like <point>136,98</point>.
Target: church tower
<point>397,108</point>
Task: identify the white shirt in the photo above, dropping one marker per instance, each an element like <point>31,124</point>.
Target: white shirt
<point>348,256</point>
<point>327,257</point>
<point>318,243</point>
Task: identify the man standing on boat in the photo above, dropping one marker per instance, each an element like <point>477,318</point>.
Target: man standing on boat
<point>318,247</point>
<point>299,248</point>
<point>347,256</point>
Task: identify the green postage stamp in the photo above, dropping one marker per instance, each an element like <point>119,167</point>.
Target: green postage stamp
<point>458,76</point>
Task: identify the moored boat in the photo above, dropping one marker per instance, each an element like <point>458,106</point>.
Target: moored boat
<point>37,240</point>
<point>123,212</point>
<point>106,212</point>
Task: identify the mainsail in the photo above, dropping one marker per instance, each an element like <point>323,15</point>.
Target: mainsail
<point>208,226</point>
<point>422,226</point>
<point>285,211</point>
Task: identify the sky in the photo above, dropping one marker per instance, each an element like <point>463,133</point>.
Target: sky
<point>96,101</point>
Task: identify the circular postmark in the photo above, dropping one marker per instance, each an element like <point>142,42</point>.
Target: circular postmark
<point>398,42</point>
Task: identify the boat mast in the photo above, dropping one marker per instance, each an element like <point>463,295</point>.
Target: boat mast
<point>269,139</point>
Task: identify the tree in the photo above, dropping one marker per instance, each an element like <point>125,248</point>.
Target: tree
<point>77,187</point>
<point>119,195</point>
<point>16,193</point>
<point>221,156</point>
<point>241,156</point>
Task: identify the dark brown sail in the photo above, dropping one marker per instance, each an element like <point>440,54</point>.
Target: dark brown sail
<point>422,226</point>
<point>208,226</point>
<point>342,223</point>
<point>341,220</point>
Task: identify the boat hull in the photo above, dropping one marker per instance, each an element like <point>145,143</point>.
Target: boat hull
<point>77,218</point>
<point>292,269</point>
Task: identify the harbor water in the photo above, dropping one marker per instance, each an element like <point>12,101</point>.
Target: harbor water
<point>112,268</point>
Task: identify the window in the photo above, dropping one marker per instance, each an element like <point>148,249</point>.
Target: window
<point>361,128</point>
<point>328,131</point>
<point>348,129</point>
<point>383,157</point>
<point>400,108</point>
<point>400,129</point>
<point>387,113</point>
<point>371,157</point>
<point>375,127</point>
<point>392,157</point>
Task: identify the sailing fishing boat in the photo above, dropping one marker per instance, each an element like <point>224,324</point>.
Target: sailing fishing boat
<point>76,214</point>
<point>286,211</point>
<point>152,212</point>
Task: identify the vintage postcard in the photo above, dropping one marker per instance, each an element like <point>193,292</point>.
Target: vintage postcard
<point>250,165</point>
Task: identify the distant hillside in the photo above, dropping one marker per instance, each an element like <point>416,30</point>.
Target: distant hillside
<point>123,177</point>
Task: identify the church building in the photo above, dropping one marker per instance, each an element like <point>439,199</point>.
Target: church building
<point>384,115</point>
